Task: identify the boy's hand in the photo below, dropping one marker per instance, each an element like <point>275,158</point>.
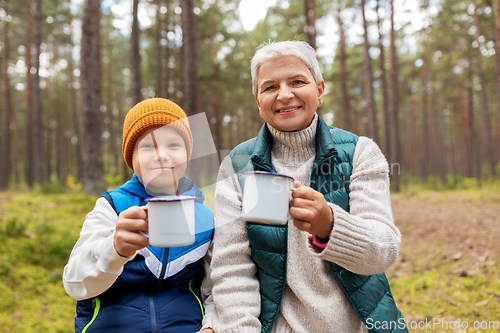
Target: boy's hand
<point>310,211</point>
<point>128,239</point>
<point>206,330</point>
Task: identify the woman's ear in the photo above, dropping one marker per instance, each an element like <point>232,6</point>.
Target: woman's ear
<point>321,92</point>
<point>257,100</point>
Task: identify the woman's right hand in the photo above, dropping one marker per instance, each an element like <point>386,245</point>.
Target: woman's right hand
<point>128,239</point>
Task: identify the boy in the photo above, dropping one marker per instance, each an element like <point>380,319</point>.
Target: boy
<point>121,283</point>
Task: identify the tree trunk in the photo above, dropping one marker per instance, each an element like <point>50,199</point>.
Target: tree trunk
<point>371,113</point>
<point>425,112</point>
<point>415,151</point>
<point>465,133</point>
<point>383,86</point>
<point>36,138</point>
<point>344,74</point>
<point>93,173</point>
<point>76,139</point>
<point>159,53</point>
<point>393,74</point>
<point>189,57</point>
<point>10,124</point>
<point>476,151</point>
<point>29,151</point>
<point>310,13</point>
<point>111,113</point>
<point>167,50</point>
<point>441,149</point>
<point>135,56</point>
<point>495,37</point>
<point>60,143</point>
<point>486,128</point>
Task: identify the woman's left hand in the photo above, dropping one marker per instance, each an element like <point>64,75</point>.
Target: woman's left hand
<point>310,211</point>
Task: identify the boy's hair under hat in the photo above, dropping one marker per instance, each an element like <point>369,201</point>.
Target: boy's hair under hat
<point>154,112</point>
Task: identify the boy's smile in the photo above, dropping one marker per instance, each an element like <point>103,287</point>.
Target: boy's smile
<point>159,156</point>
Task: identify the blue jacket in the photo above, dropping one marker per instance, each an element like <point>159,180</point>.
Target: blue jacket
<point>159,290</point>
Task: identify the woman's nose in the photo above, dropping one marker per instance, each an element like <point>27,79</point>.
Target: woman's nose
<point>285,93</point>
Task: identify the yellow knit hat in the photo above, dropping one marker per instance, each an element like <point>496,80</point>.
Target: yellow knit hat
<point>154,112</point>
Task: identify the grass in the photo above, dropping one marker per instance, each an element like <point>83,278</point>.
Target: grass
<point>447,268</point>
<point>37,233</point>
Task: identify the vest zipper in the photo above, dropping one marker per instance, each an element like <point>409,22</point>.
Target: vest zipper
<point>199,301</point>
<point>152,313</point>
<point>96,305</point>
<point>152,298</point>
<point>163,266</point>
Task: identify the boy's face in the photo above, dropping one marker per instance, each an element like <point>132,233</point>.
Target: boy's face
<point>156,153</point>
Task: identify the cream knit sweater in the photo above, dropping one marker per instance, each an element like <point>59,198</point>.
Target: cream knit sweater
<point>364,241</point>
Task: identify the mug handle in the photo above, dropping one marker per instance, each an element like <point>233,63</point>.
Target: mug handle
<point>289,216</point>
<point>145,234</point>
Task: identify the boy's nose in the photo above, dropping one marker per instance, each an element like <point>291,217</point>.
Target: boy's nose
<point>160,156</point>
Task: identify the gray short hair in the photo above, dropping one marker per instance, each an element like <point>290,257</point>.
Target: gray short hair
<point>271,50</point>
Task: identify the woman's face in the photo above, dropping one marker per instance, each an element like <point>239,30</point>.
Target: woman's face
<point>287,95</point>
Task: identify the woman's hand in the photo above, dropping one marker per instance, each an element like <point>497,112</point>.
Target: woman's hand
<point>310,211</point>
<point>128,239</point>
<point>207,330</point>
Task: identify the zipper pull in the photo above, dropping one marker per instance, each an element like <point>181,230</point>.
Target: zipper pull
<point>94,303</point>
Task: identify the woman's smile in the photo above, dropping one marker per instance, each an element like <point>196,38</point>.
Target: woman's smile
<point>288,110</point>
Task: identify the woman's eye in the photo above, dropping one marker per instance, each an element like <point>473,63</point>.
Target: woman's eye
<point>297,82</point>
<point>269,88</point>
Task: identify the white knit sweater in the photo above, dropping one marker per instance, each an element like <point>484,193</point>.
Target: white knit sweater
<point>364,241</point>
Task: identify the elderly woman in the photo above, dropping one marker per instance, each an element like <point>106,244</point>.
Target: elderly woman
<point>323,270</point>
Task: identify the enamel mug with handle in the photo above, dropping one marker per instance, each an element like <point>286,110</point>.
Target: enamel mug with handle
<point>171,220</point>
<point>266,197</point>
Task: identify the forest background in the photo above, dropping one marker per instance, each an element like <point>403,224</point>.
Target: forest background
<point>419,77</point>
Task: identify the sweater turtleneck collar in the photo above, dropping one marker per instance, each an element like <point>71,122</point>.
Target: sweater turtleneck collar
<point>295,146</point>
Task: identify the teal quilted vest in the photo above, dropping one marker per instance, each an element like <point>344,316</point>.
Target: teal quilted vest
<point>369,294</point>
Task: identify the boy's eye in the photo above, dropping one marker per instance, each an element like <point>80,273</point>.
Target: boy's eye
<point>174,145</point>
<point>147,146</point>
